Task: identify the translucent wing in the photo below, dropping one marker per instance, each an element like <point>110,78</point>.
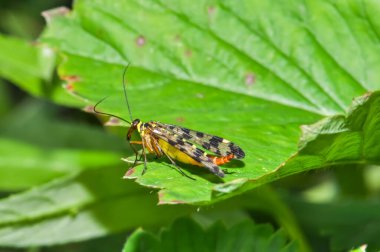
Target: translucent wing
<point>215,144</point>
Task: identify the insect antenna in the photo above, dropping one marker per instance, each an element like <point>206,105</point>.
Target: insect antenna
<point>126,99</point>
<point>125,92</point>
<point>103,113</point>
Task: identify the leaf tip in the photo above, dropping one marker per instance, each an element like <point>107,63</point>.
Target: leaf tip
<point>130,174</point>
<point>88,109</point>
<point>359,101</point>
<point>49,15</point>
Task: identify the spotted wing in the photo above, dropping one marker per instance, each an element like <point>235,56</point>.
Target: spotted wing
<point>215,144</point>
<point>189,149</point>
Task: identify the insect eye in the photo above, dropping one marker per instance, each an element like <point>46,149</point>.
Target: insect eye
<point>135,122</point>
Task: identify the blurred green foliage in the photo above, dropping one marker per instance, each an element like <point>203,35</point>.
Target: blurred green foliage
<point>23,18</point>
<point>185,233</point>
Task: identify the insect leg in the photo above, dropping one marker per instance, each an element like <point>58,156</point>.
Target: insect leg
<point>144,153</point>
<point>156,148</point>
<point>178,168</point>
<point>173,163</point>
<point>136,154</point>
<point>136,142</point>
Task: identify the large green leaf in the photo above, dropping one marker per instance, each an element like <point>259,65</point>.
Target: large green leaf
<point>335,140</point>
<point>30,66</point>
<point>95,203</point>
<point>88,205</point>
<point>252,72</point>
<point>187,235</point>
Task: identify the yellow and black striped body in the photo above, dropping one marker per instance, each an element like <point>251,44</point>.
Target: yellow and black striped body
<point>179,144</point>
<point>160,147</point>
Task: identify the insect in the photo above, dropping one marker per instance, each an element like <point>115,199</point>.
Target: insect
<point>177,143</point>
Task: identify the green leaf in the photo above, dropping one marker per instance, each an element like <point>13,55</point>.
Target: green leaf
<point>28,65</point>
<point>92,204</point>
<point>141,240</point>
<point>187,235</point>
<point>252,72</point>
<point>362,248</point>
<point>336,140</point>
<point>87,206</point>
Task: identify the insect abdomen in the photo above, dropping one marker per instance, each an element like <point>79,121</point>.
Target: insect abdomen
<point>177,154</point>
<point>221,160</point>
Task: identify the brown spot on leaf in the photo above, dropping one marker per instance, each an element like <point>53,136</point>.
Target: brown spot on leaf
<point>129,173</point>
<point>88,109</point>
<point>71,78</point>
<point>180,119</point>
<point>140,41</point>
<point>250,79</point>
<point>177,38</point>
<point>69,87</point>
<point>211,10</point>
<point>113,121</point>
<point>188,53</point>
